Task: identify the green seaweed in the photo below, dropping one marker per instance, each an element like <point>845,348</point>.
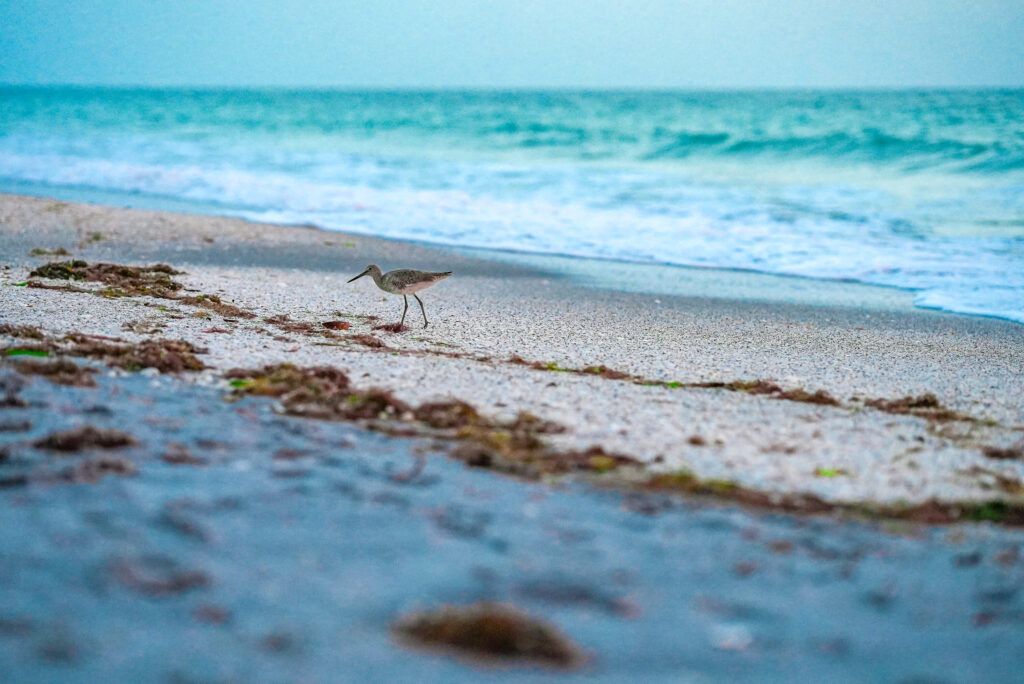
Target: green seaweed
<point>991,511</point>
<point>26,352</point>
<point>830,472</point>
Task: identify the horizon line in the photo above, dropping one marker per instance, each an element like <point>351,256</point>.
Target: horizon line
<point>496,88</point>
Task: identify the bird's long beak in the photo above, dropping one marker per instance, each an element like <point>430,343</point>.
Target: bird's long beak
<point>360,275</point>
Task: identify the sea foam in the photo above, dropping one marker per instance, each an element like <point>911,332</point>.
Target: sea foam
<point>836,186</point>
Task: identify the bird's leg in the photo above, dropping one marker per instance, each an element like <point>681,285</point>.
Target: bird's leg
<point>423,310</point>
<point>404,310</point>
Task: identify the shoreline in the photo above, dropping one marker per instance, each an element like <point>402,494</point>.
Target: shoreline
<point>491,312</point>
<point>604,273</point>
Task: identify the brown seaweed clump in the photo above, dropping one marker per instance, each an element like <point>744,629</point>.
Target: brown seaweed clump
<point>820,397</point>
<point>121,280</point>
<point>285,323</point>
<point>368,341</point>
<point>391,327</point>
<point>284,380</point>
<point>491,631</point>
<point>447,414</point>
<point>513,447</point>
<point>215,304</point>
<point>606,372</point>
<point>167,356</point>
<point>1010,453</point>
<point>85,437</point>
<point>21,331</point>
<point>58,371</point>
<point>931,512</point>
<point>319,392</point>
<point>517,449</point>
<point>925,406</point>
<point>766,387</point>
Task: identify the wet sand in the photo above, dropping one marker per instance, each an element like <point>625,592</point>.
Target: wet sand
<point>230,543</point>
<point>873,347</point>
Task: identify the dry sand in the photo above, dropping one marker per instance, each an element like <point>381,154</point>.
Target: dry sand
<point>874,346</point>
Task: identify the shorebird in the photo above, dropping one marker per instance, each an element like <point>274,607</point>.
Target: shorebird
<point>404,281</point>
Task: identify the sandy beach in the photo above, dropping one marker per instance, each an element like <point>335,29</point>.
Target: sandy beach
<point>723,379</point>
<point>862,402</point>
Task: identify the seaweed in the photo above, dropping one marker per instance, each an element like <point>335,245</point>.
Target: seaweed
<point>490,630</point>
<point>285,323</point>
<point>925,406</point>
<point>121,280</point>
<point>748,386</point>
<point>337,325</point>
<point>1006,484</point>
<point>167,356</point>
<point>516,449</point>
<point>513,447</point>
<point>447,414</point>
<point>42,251</point>
<point>820,397</point>
<point>930,512</point>
<point>391,327</point>
<point>84,437</point>
<point>1010,453</point>
<point>59,371</point>
<point>26,351</point>
<point>606,372</point>
<point>373,403</point>
<point>771,389</point>
<point>368,341</point>
<point>283,380</point>
<point>22,331</point>
<point>830,472</point>
<point>765,387</point>
<point>215,304</point>
<point>319,392</point>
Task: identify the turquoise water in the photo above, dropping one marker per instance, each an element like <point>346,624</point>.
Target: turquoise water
<point>917,190</point>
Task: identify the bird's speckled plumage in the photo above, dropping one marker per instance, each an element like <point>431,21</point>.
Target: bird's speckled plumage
<point>404,281</point>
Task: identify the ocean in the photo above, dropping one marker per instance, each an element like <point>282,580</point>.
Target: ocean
<point>919,190</point>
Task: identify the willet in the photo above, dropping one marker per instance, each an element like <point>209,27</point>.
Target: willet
<point>404,281</point>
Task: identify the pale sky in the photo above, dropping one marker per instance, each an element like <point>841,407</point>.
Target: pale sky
<point>520,44</point>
